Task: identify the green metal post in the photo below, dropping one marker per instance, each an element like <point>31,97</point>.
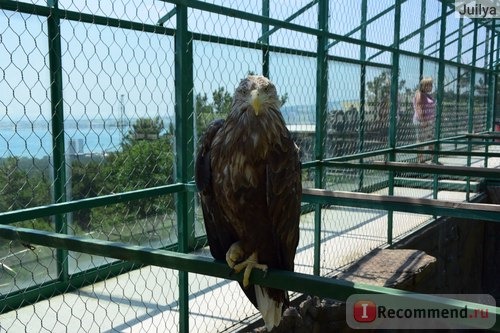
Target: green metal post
<point>184,124</point>
<point>459,73</point>
<point>490,110</point>
<point>57,116</point>
<point>321,113</point>
<point>362,89</point>
<point>265,40</point>
<point>470,113</point>
<point>439,95</point>
<point>421,47</point>
<point>393,112</point>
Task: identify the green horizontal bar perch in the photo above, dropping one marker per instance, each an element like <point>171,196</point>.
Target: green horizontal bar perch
<point>303,283</point>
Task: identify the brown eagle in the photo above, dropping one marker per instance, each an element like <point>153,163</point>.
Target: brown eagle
<point>249,178</point>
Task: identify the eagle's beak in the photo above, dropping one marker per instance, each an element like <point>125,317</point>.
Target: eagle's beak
<point>256,101</point>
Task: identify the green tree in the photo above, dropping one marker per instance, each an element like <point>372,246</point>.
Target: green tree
<point>142,165</point>
<point>146,160</point>
<point>88,180</point>
<point>20,189</point>
<point>203,113</point>
<point>222,101</point>
<point>379,95</point>
<point>144,129</point>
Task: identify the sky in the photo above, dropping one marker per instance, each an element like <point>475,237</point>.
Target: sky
<point>100,63</point>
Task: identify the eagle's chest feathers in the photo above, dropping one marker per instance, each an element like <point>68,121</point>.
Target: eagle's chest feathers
<point>244,147</point>
<point>246,166</point>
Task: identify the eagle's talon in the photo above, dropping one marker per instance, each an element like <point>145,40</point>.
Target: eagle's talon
<point>248,265</point>
<point>234,255</point>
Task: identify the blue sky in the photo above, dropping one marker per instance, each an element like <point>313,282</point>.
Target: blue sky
<point>101,63</point>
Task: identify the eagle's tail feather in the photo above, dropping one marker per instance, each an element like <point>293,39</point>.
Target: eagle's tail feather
<point>269,308</point>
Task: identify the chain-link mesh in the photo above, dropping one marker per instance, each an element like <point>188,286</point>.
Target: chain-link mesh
<point>113,83</point>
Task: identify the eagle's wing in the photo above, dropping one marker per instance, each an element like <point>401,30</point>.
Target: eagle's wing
<point>284,191</point>
<point>203,171</point>
<point>220,235</point>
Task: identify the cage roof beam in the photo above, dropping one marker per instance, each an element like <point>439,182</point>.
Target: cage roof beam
<point>413,34</point>
<point>299,12</point>
<point>167,16</point>
<point>365,24</point>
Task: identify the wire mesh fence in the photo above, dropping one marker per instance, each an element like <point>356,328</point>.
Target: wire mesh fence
<point>90,92</point>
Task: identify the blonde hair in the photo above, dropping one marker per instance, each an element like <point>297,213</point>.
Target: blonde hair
<point>425,82</point>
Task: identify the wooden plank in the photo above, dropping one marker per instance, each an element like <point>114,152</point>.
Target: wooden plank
<point>394,268</point>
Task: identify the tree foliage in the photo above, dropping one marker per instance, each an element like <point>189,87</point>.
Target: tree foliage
<point>144,129</point>
<point>23,188</point>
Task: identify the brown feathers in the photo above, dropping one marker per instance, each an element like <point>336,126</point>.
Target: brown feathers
<point>251,185</point>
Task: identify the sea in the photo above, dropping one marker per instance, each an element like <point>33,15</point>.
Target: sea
<point>33,139</point>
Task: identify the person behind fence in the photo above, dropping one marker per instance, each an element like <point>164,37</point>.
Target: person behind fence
<point>424,106</point>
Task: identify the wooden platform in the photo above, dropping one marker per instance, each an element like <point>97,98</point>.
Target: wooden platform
<point>401,269</point>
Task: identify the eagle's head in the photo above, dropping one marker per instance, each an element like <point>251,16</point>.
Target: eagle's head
<point>256,93</point>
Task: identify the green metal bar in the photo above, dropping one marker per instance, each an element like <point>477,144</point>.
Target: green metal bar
<point>423,6</point>
<point>436,207</point>
<point>184,151</point>
<point>265,40</point>
<point>454,152</point>
<point>393,112</point>
<point>439,94</point>
<point>279,49</point>
<point>39,292</point>
<point>71,206</point>
<point>221,10</point>
<point>106,21</point>
<point>167,17</point>
<point>27,8</point>
<point>153,28</point>
<point>362,90</point>
<point>491,93</point>
<point>497,57</point>
<point>491,83</point>
<point>474,47</point>
<point>420,168</point>
<point>32,9</point>
<point>266,34</point>
<point>444,185</point>
<point>58,135</point>
<point>451,41</point>
<point>367,154</point>
<point>321,113</point>
<point>459,31</point>
<point>303,283</point>
<point>459,69</point>
<point>226,11</point>
<point>421,48</point>
<point>31,295</point>
<point>477,142</point>
<point>470,113</point>
<point>365,22</point>
<point>411,35</point>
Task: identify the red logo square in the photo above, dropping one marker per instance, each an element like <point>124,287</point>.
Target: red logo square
<point>365,311</point>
